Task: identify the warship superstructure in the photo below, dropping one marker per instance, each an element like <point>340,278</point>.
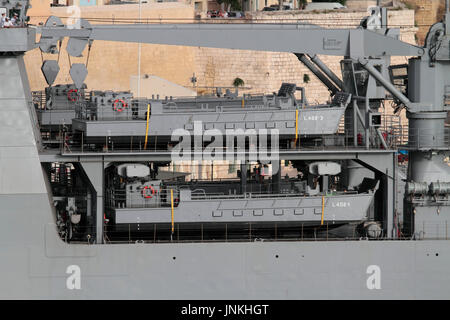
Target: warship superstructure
<point>315,196</point>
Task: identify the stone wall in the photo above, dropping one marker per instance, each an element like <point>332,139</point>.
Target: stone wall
<point>112,64</point>
<point>263,72</point>
<point>360,4</point>
<point>39,9</point>
<point>427,13</point>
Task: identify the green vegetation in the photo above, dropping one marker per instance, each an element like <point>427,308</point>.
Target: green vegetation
<point>238,82</point>
<point>306,78</point>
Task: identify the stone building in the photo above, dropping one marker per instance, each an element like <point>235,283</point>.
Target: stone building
<point>427,12</point>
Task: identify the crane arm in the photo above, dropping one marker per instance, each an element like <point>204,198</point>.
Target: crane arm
<point>298,38</point>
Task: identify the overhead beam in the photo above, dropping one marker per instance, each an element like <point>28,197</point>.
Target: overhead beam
<point>300,38</point>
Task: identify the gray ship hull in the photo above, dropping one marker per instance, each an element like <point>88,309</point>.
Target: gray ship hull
<point>37,264</point>
<point>35,267</point>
